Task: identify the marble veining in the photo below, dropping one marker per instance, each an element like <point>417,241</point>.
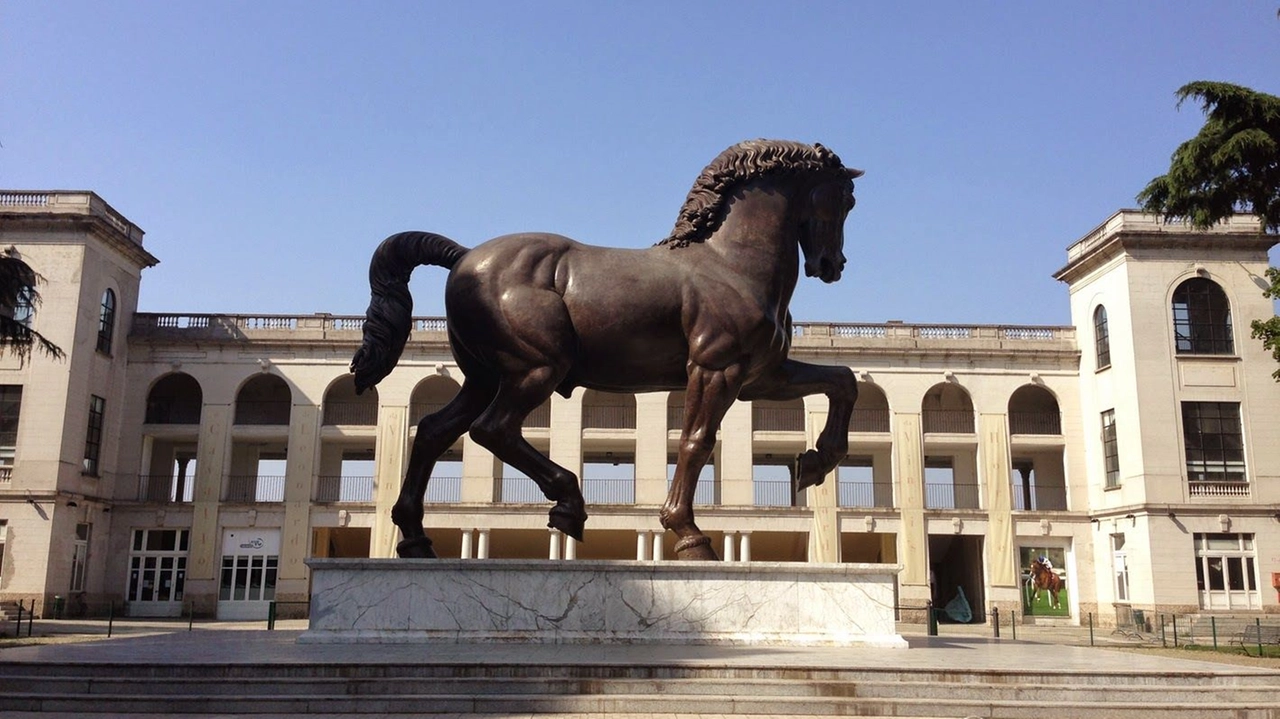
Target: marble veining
<point>601,602</point>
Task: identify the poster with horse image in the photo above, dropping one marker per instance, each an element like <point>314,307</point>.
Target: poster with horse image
<point>1044,582</point>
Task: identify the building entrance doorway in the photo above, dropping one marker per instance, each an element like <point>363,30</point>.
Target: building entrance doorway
<point>955,566</point>
<point>250,561</point>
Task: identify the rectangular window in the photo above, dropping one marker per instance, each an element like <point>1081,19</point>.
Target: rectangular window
<point>1120,567</point>
<point>1214,442</point>
<point>1110,449</point>
<point>1226,571</point>
<point>93,437</point>
<point>158,565</point>
<point>10,408</point>
<point>80,557</point>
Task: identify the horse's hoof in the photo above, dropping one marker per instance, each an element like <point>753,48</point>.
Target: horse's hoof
<point>415,548</point>
<point>807,471</point>
<point>697,547</point>
<point>568,521</point>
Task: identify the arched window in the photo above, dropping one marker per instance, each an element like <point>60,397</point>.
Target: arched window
<point>106,321</point>
<point>1101,337</point>
<point>1202,318</point>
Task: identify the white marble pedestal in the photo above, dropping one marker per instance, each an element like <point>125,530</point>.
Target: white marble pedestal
<point>495,600</point>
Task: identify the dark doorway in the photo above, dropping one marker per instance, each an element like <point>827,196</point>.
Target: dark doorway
<point>955,564</point>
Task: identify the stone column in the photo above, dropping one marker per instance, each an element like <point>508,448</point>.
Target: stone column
<point>736,488</point>
<point>388,473</point>
<point>566,433</point>
<point>824,536</point>
<point>730,539</point>
<point>570,547</point>
<point>212,455</point>
<point>642,546</point>
<point>651,448</point>
<point>744,547</point>
<point>993,456</point>
<point>467,537</point>
<point>299,481</point>
<point>908,465</point>
<point>657,546</point>
<point>482,547</point>
<point>553,547</point>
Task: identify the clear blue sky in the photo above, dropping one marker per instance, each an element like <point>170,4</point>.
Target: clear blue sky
<point>266,147</point>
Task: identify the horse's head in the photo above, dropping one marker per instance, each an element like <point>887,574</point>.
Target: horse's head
<point>822,238</point>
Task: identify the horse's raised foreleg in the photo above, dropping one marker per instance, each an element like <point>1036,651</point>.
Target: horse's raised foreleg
<point>708,397</point>
<point>498,429</point>
<point>436,433</point>
<point>793,380</point>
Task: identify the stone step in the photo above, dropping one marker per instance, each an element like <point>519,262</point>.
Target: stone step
<point>567,686</point>
<point>634,704</point>
<point>1225,677</point>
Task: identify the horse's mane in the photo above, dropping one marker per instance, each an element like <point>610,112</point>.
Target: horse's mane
<point>703,212</point>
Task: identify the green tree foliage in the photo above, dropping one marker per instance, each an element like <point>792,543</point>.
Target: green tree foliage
<point>17,289</point>
<point>1231,166</point>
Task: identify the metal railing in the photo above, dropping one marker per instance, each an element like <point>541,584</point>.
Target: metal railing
<point>947,421</point>
<point>606,416</point>
<point>704,494</point>
<point>258,412</point>
<point>519,490</point>
<point>362,414</point>
<point>339,488</point>
<point>163,488</point>
<point>250,488</point>
<point>869,420</point>
<point>173,412</point>
<point>934,332</point>
<point>772,493</point>
<point>777,419</point>
<point>864,494</point>
<point>1039,499</point>
<point>1035,423</point>
<point>609,490</point>
<point>951,495</point>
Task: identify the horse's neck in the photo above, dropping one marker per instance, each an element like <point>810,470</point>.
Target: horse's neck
<point>757,240</point>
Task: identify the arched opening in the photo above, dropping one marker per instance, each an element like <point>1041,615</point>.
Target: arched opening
<point>430,396</point>
<point>947,409</point>
<point>871,412</point>
<point>342,406</point>
<point>264,399</point>
<point>1034,410</point>
<point>175,399</point>
<point>1101,338</point>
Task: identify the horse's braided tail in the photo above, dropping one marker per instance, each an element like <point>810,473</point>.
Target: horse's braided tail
<point>390,314</point>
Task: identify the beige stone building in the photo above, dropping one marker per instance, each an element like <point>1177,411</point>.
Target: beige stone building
<point>177,461</point>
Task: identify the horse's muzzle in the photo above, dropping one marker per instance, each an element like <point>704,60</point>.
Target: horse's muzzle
<point>825,269</point>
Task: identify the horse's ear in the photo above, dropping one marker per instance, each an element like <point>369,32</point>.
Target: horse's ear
<point>852,173</point>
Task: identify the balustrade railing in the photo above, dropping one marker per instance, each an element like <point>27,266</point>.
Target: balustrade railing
<point>869,420</point>
<point>958,495</point>
<point>777,419</point>
<point>250,488</point>
<point>609,416</point>
<point>173,412</point>
<point>772,492</point>
<point>6,475</point>
<point>362,414</point>
<point>1198,488</point>
<point>1035,423</point>
<point>609,490</point>
<point>444,490</point>
<point>947,421</point>
<point>704,495</point>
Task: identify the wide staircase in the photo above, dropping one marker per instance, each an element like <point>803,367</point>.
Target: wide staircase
<point>466,688</point>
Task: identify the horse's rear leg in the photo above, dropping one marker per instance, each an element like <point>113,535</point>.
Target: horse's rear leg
<point>499,430</point>
<point>436,433</point>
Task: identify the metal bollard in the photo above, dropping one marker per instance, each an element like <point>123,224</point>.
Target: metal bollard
<point>1175,631</point>
<point>1163,643</point>
<point>111,616</point>
<point>995,622</point>
<point>932,620</point>
<point>31,618</point>
<point>1257,623</point>
<point>191,614</point>
<point>271,616</point>
<point>1013,622</point>
<point>1090,628</point>
<point>17,628</point>
<point>1213,627</point>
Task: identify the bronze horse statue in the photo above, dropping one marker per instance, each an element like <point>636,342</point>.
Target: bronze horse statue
<point>704,311</point>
